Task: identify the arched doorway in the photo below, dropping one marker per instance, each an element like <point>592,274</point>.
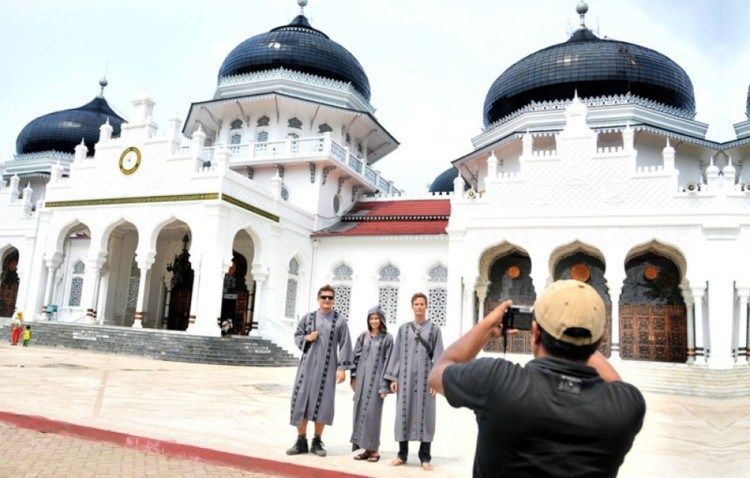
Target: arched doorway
<point>121,277</point>
<point>9,281</point>
<point>653,316</point>
<point>510,278</point>
<point>235,296</point>
<point>69,283</point>
<point>587,268</point>
<point>180,288</point>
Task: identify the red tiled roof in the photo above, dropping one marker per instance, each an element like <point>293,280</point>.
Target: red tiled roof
<point>392,218</point>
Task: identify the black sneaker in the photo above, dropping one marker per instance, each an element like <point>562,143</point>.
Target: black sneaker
<point>316,447</point>
<point>299,447</point>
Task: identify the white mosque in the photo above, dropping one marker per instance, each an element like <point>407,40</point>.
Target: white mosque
<point>590,166</point>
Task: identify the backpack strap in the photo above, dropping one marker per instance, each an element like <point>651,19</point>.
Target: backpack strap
<point>421,340</point>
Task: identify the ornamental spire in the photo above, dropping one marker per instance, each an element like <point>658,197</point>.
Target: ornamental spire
<point>103,84</point>
<point>581,9</point>
<point>302,4</point>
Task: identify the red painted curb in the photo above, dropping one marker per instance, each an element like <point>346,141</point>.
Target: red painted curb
<point>169,448</point>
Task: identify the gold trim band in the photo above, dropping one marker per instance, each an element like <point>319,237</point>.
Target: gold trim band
<point>161,199</point>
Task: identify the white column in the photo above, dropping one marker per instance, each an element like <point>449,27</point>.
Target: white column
<point>260,277</point>
<point>91,284</point>
<point>720,316</point>
<point>481,296</point>
<point>688,297</point>
<point>698,293</point>
<point>52,264</point>
<point>615,283</point>
<point>144,265</point>
<point>195,263</point>
<point>213,249</point>
<point>743,355</point>
<point>468,313</point>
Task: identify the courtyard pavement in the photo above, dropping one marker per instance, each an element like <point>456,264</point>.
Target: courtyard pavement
<point>245,410</point>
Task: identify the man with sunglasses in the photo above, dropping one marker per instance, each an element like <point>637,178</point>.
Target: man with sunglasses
<point>323,338</point>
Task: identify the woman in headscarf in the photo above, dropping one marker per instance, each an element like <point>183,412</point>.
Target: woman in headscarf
<point>371,353</point>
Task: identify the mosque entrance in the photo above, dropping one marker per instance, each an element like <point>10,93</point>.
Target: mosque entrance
<point>653,316</point>
<point>181,288</point>
<point>587,268</point>
<point>510,278</point>
<point>235,303</point>
<point>9,283</point>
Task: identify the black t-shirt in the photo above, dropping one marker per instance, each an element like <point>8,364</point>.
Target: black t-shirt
<point>550,418</point>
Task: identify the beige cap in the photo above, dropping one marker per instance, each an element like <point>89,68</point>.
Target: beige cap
<point>571,303</point>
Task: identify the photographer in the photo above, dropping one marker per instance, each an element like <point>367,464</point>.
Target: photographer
<point>566,413</point>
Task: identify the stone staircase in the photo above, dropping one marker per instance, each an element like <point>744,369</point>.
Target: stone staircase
<point>686,379</point>
<point>159,344</point>
<point>675,378</point>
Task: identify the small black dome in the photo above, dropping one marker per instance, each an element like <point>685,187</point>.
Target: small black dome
<point>299,47</point>
<point>443,183</point>
<point>62,130</point>
<point>594,67</point>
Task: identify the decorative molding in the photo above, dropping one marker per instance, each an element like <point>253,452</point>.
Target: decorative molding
<point>313,169</point>
<point>250,172</point>
<point>358,218</point>
<point>326,171</point>
<point>53,155</point>
<point>165,199</point>
<point>342,180</point>
<point>249,207</point>
<point>609,100</point>
<point>305,78</point>
<point>355,190</point>
<point>133,200</point>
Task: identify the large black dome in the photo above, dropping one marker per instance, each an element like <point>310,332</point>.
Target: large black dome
<point>62,130</point>
<point>593,66</point>
<point>299,47</point>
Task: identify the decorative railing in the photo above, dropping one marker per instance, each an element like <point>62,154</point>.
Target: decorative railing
<point>299,148</point>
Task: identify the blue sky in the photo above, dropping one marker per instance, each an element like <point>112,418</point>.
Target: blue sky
<point>430,63</point>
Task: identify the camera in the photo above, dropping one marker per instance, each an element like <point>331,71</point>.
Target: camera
<point>518,317</point>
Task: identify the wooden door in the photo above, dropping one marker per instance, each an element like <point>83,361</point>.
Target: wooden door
<point>653,332</point>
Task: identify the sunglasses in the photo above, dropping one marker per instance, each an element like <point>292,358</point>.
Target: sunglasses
<point>325,297</point>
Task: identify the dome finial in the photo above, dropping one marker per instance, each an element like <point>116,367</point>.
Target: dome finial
<point>103,84</point>
<point>581,9</point>
<point>302,4</point>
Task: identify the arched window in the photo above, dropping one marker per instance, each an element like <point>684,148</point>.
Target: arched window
<point>264,121</point>
<point>261,140</point>
<point>342,284</point>
<point>76,284</point>
<point>236,124</point>
<point>262,136</point>
<point>290,309</point>
<point>324,128</point>
<point>389,277</point>
<point>235,139</point>
<point>295,123</point>
<point>437,293</point>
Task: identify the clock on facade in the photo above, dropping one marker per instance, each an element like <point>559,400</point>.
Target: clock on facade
<point>130,159</point>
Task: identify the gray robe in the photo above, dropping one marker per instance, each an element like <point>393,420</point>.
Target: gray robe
<point>314,390</point>
<point>410,365</point>
<point>370,356</point>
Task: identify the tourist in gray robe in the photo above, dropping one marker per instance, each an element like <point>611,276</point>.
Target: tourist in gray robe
<point>418,346</point>
<point>323,338</point>
<point>371,353</point>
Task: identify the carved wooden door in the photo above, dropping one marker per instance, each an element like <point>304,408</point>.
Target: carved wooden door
<point>653,332</point>
<point>8,294</point>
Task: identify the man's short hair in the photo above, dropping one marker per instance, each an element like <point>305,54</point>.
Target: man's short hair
<point>328,288</point>
<point>417,296</point>
<point>565,350</point>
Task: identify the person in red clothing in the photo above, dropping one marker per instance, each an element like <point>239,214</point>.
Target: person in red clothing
<point>16,327</point>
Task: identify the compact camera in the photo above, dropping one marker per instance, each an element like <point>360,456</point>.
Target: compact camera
<point>518,317</point>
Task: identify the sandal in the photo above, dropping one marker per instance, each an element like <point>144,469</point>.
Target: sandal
<point>397,462</point>
<point>374,457</point>
<point>365,455</point>
<point>426,466</point>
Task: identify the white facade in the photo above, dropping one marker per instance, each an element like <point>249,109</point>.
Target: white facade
<point>278,156</point>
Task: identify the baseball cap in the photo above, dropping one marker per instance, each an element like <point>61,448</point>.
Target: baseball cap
<point>567,304</point>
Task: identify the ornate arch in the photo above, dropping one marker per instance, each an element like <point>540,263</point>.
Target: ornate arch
<point>571,248</point>
<point>669,251</point>
<point>489,255</point>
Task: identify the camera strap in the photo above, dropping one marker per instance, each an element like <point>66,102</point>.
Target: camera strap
<point>419,339</point>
